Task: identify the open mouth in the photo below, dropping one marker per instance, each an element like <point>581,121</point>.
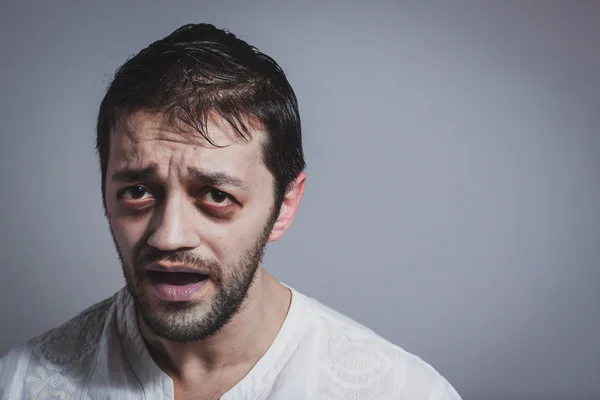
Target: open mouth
<point>175,278</point>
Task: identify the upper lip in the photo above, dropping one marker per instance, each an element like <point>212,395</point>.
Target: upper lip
<point>173,268</point>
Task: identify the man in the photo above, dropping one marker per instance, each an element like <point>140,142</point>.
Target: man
<point>201,156</point>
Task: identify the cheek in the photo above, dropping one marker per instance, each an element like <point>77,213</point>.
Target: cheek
<point>222,242</point>
<point>128,233</point>
<point>235,240</point>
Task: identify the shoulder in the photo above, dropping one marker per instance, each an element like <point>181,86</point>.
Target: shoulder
<point>53,363</point>
<point>357,362</point>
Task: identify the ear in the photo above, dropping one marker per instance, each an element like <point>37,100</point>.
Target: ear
<point>291,202</point>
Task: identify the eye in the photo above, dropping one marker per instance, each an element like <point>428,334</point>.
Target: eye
<point>218,203</point>
<point>136,192</point>
<point>217,196</point>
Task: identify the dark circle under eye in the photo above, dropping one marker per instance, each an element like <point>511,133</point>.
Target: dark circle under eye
<point>218,196</point>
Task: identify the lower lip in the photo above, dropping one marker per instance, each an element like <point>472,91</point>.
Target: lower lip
<point>178,292</point>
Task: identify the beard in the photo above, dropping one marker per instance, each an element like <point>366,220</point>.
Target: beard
<point>183,321</point>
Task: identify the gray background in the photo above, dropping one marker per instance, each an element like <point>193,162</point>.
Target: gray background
<point>453,200</point>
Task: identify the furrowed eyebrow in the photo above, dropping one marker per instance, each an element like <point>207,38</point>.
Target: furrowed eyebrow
<point>133,175</point>
<point>216,178</point>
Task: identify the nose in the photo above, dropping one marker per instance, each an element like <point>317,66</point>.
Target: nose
<point>175,225</point>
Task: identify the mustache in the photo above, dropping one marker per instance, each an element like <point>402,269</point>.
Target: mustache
<point>151,255</point>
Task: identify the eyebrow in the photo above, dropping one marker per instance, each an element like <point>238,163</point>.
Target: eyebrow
<point>133,175</point>
<point>217,179</point>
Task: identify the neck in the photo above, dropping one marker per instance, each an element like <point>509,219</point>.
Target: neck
<point>237,346</point>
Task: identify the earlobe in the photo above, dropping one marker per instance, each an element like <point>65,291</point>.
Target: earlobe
<point>289,207</point>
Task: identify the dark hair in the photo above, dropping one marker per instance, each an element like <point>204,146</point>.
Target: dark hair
<point>197,70</point>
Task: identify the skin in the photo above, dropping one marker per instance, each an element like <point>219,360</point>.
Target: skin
<point>172,212</point>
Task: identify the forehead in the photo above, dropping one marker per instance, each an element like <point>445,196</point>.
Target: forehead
<point>144,138</point>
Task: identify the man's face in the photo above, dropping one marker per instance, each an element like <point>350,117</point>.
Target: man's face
<point>189,220</point>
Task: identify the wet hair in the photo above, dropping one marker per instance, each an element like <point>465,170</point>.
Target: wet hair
<point>197,71</point>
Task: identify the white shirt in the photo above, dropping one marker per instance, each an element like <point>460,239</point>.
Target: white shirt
<point>317,354</point>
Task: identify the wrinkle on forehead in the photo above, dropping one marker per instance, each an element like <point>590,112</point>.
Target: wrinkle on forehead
<point>143,136</point>
<point>140,126</point>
